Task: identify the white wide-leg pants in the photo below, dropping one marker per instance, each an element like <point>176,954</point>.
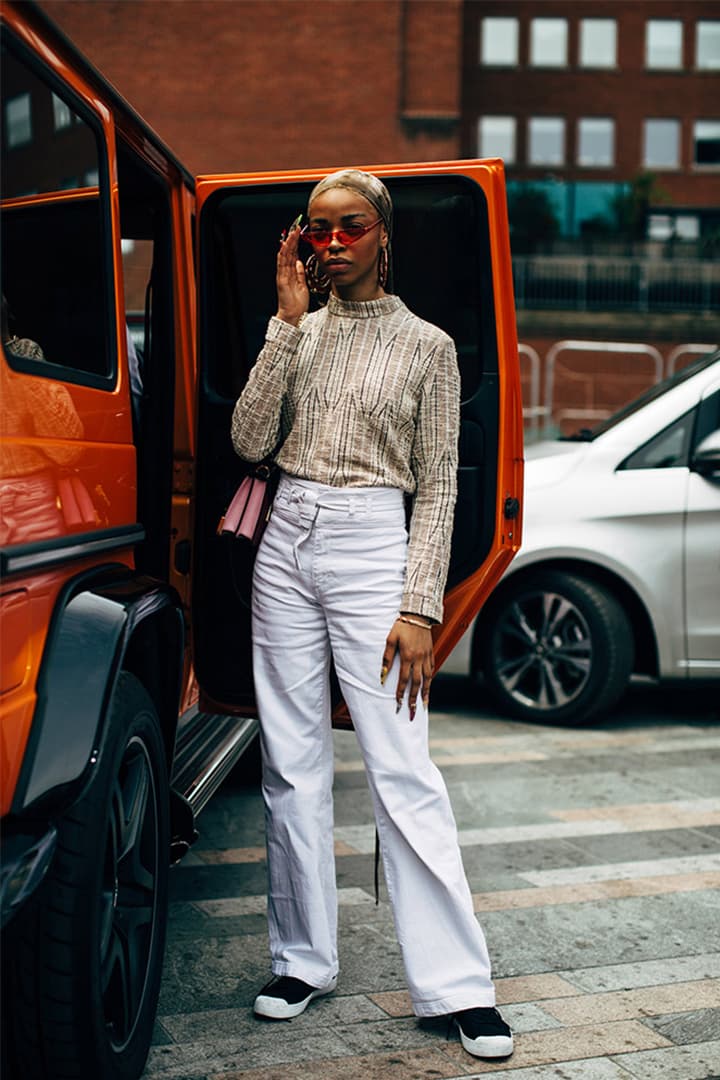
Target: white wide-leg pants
<point>328,580</point>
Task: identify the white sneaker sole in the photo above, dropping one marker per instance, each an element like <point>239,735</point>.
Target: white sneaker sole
<point>273,1008</point>
<point>487,1046</point>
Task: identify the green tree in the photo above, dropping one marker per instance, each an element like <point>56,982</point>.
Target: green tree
<point>630,208</point>
<point>533,222</point>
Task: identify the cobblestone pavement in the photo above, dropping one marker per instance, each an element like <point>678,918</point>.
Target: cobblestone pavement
<point>594,860</point>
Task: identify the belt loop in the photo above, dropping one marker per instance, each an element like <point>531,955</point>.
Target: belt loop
<point>304,536</point>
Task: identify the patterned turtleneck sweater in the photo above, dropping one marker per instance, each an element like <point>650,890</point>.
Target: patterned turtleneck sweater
<point>364,394</point>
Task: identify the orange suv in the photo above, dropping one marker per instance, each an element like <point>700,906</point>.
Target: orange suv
<point>132,315</point>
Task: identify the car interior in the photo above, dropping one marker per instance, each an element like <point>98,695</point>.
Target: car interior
<point>442,271</point>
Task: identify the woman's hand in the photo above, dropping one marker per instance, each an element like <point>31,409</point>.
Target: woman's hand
<point>417,662</point>
<point>292,289</point>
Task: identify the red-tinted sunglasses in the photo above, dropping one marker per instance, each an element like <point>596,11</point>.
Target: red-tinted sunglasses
<point>320,237</point>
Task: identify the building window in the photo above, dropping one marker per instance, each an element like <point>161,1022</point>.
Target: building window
<point>596,142</point>
<point>707,45</point>
<point>663,43</point>
<point>499,42</point>
<point>598,43</point>
<point>18,121</point>
<point>669,226</point>
<point>496,137</point>
<point>548,42</point>
<point>661,144</point>
<point>546,144</point>
<point>706,142</point>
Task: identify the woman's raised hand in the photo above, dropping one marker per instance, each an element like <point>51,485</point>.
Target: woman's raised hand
<point>292,289</point>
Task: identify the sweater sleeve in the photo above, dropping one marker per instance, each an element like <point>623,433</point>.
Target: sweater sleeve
<point>255,428</point>
<point>434,463</point>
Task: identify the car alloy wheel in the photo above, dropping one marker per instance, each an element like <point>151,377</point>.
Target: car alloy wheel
<point>544,650</point>
<point>554,646</point>
<point>128,899</point>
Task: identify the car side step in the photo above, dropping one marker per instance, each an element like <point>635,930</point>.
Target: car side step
<point>208,748</point>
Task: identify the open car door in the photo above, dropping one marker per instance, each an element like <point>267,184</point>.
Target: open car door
<point>451,266</point>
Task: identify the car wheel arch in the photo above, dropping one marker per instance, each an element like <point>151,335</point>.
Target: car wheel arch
<point>128,623</point>
<point>646,645</point>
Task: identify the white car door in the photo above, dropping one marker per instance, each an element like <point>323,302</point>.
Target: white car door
<point>702,551</point>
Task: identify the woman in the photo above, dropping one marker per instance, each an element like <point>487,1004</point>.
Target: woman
<point>365,397</point>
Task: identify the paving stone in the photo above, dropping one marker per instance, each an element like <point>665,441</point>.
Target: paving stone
<point>650,844</point>
<point>506,865</point>
<point>532,786</point>
<point>503,899</point>
<point>630,759</point>
<point>271,1047</point>
<point>532,988</point>
<point>528,1017</point>
<point>396,1034</point>
<point>587,1069</point>
<point>198,882</point>
<point>608,932</point>
<point>425,1064</point>
<point>627,1004</point>
<point>691,780</point>
<point>613,871</point>
<point>648,814</point>
<point>689,1027</point>
<point>219,972</point>
<point>646,973</point>
<point>679,1063</point>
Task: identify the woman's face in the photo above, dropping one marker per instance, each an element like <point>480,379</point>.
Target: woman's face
<point>352,269</point>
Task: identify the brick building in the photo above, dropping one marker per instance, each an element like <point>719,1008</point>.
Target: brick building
<point>245,85</point>
<point>579,98</point>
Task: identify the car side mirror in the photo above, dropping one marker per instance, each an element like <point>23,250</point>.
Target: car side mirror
<point>706,456</point>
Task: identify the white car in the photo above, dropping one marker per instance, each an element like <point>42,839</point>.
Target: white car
<point>619,569</point>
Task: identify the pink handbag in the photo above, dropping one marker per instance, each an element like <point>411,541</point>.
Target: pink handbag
<point>249,512</point>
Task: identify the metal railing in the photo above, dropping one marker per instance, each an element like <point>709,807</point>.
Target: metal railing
<point>614,284</point>
<point>544,417</point>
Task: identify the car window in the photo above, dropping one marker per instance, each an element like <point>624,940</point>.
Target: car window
<point>666,450</point>
<point>708,417</point>
<point>448,214</point>
<point>55,229</point>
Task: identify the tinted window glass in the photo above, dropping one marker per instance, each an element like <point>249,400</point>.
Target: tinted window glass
<point>708,418</point>
<point>666,450</point>
<point>440,234</point>
<point>54,239</point>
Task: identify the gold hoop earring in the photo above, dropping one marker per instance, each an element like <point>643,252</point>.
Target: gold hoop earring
<point>318,283</point>
<point>383,262</point>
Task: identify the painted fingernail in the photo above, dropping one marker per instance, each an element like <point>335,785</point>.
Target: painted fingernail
<point>412,712</point>
<point>398,707</point>
<point>296,222</point>
<point>383,675</point>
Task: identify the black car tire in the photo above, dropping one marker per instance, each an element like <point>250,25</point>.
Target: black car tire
<point>87,954</point>
<point>555,647</point>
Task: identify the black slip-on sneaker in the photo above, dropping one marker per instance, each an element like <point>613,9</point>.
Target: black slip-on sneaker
<point>285,997</point>
<point>484,1033</point>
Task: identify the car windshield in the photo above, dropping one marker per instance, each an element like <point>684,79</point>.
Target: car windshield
<point>588,434</point>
